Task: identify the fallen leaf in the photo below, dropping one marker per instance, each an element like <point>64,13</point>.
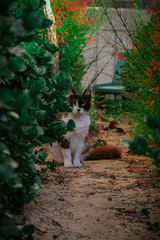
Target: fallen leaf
<point>135,190</point>
<point>110,180</point>
<point>75,175</point>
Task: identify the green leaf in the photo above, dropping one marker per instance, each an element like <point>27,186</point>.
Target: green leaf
<point>42,156</point>
<point>7,172</point>
<point>58,124</point>
<point>32,167</point>
<point>4,149</point>
<point>71,126</point>
<point>145,212</point>
<point>35,186</point>
<point>63,81</point>
<point>5,95</point>
<point>23,100</point>
<point>153,121</point>
<point>29,229</point>
<point>45,139</point>
<point>9,231</point>
<point>138,146</point>
<point>41,70</point>
<point>34,19</point>
<point>12,163</point>
<point>19,12</point>
<point>18,50</point>
<point>126,143</point>
<point>33,4</point>
<point>17,28</point>
<point>52,48</point>
<point>51,63</point>
<point>3,118</point>
<point>40,84</point>
<point>40,114</point>
<point>13,114</point>
<point>47,56</point>
<point>17,64</point>
<point>3,61</point>
<point>40,131</point>
<point>32,131</point>
<point>51,166</point>
<point>47,23</point>
<point>33,48</point>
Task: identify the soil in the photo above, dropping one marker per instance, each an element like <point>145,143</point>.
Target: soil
<point>103,200</point>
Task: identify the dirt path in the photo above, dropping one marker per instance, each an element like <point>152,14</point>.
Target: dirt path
<point>101,201</point>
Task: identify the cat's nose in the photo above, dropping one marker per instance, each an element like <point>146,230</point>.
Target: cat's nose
<point>78,110</point>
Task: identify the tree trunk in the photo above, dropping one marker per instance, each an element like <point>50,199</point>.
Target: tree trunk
<point>52,36</point>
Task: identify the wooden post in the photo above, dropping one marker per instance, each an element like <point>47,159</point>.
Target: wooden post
<point>52,36</point>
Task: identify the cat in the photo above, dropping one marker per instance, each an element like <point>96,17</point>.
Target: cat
<point>73,145</point>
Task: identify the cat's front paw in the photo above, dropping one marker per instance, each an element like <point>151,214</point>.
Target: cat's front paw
<point>78,165</point>
<point>68,165</point>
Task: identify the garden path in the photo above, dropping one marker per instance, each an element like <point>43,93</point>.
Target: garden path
<point>101,201</point>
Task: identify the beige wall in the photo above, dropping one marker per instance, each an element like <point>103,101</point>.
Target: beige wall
<point>104,35</point>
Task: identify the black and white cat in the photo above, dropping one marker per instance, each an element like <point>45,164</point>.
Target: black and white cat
<point>70,151</point>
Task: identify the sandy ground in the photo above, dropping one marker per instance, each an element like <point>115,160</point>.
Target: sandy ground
<point>101,201</point>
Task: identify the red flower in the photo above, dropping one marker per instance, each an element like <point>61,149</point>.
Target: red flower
<point>148,70</point>
<point>121,56</point>
<point>63,39</point>
<point>150,75</point>
<point>151,103</point>
<point>152,62</point>
<point>155,68</point>
<point>149,9</point>
<point>91,19</point>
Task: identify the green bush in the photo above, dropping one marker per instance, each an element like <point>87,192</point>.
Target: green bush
<point>112,107</point>
<point>30,98</point>
<point>140,72</point>
<point>76,24</point>
<point>140,144</point>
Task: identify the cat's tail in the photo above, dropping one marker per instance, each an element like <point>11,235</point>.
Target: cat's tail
<point>104,152</point>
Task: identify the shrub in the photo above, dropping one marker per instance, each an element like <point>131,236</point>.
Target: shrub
<point>29,102</point>
<point>140,145</point>
<point>76,24</point>
<point>140,73</point>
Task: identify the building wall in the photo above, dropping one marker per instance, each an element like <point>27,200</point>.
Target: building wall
<point>105,63</point>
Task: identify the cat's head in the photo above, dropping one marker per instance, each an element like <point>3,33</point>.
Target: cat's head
<point>80,103</point>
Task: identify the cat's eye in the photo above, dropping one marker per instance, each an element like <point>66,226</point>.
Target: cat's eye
<point>83,104</point>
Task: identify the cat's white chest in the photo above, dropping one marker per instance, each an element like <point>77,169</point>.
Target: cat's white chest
<point>82,122</point>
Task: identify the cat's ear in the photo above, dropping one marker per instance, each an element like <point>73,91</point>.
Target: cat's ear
<point>71,92</point>
<point>87,93</point>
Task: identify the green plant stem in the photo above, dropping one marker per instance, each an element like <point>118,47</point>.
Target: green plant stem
<point>129,34</point>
